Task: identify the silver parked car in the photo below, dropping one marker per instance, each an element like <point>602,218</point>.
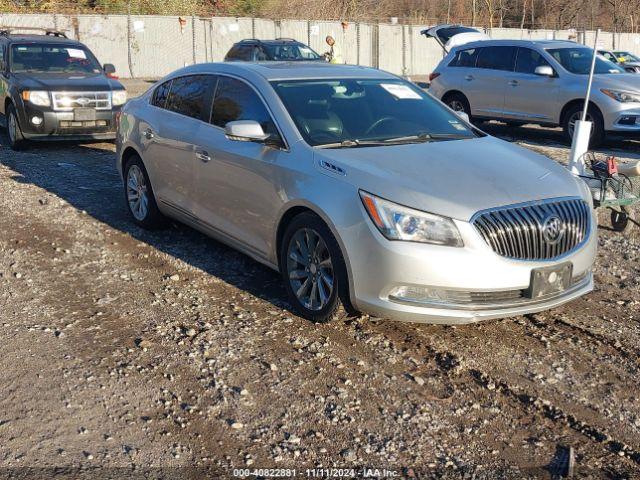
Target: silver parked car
<point>541,82</point>
<point>360,189</point>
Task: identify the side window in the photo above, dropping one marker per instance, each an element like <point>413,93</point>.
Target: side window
<point>235,100</point>
<point>160,95</point>
<point>244,53</point>
<point>261,55</point>
<point>528,60</point>
<point>2,59</point>
<point>497,58</point>
<point>609,56</point>
<point>465,58</point>
<point>191,96</point>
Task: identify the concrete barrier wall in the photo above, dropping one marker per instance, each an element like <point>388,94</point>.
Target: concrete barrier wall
<point>152,46</point>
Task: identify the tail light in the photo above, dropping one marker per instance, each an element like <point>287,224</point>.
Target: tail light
<point>433,76</point>
<point>113,76</point>
<point>117,119</point>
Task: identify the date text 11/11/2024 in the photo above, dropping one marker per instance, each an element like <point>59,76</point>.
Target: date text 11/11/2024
<point>316,473</point>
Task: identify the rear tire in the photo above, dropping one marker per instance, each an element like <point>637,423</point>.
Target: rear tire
<point>457,102</point>
<point>139,196</point>
<point>593,115</point>
<point>313,270</point>
<point>17,141</point>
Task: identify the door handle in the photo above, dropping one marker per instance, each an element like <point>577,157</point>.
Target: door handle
<point>203,156</point>
<point>468,78</point>
<point>513,83</point>
<point>148,134</point>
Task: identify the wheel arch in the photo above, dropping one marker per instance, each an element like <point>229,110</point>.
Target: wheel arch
<point>454,91</point>
<point>292,210</point>
<point>577,101</point>
<point>127,154</point>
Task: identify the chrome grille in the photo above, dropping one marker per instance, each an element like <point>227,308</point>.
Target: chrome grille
<point>68,101</point>
<point>522,231</point>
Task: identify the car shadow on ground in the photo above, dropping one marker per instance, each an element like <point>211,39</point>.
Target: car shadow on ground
<point>85,176</point>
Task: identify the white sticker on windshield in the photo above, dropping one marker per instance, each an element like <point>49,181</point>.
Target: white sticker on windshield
<point>400,91</point>
<point>76,53</point>
<point>457,125</point>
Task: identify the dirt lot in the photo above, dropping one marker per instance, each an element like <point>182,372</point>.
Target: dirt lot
<point>129,354</point>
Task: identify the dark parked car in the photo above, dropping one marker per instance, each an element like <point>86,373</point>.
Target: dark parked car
<point>278,50</point>
<point>54,88</point>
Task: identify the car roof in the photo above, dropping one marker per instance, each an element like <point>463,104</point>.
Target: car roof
<point>521,43</point>
<point>277,41</point>
<point>286,70</point>
<point>29,38</point>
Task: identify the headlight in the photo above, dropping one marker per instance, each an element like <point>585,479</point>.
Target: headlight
<point>119,97</point>
<point>621,96</point>
<point>37,97</point>
<point>402,223</point>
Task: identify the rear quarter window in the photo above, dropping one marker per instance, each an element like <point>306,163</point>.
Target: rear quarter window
<point>160,95</point>
<point>465,58</point>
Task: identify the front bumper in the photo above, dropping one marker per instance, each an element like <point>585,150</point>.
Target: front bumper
<point>378,266</point>
<point>57,125</point>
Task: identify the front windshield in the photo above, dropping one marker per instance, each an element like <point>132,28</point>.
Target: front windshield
<point>39,58</point>
<point>578,60</point>
<point>627,57</point>
<point>357,112</point>
<point>291,52</point>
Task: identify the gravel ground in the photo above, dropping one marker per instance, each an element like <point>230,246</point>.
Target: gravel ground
<point>130,354</point>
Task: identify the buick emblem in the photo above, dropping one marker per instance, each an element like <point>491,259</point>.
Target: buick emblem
<point>553,229</point>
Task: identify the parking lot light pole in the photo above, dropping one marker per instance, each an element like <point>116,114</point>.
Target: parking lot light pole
<point>582,129</point>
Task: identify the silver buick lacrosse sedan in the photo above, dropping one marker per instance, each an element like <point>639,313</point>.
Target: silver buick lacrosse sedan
<point>360,189</point>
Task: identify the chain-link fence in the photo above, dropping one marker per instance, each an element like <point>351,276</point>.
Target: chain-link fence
<point>150,46</point>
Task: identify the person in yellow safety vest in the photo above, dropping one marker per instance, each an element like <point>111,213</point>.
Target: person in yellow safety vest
<point>334,55</point>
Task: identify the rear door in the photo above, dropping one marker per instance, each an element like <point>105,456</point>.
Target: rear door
<point>488,82</point>
<point>531,97</point>
<point>171,138</point>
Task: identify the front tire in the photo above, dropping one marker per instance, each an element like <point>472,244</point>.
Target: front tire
<point>593,115</point>
<point>17,141</point>
<point>313,269</point>
<point>138,193</point>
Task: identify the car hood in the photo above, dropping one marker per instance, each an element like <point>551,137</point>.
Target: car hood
<point>622,81</point>
<point>67,82</point>
<point>453,178</point>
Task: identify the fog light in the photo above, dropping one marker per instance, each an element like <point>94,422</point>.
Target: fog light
<point>37,121</point>
<point>418,294</point>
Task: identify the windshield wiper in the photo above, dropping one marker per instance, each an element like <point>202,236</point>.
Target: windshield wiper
<point>354,143</point>
<point>427,137</point>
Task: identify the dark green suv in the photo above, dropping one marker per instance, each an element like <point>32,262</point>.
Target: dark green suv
<point>54,88</point>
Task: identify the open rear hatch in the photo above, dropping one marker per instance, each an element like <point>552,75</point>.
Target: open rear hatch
<point>449,36</point>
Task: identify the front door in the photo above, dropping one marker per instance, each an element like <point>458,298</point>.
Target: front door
<point>531,97</point>
<point>237,182</point>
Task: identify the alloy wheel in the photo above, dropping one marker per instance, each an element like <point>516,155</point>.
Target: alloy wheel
<point>574,118</point>
<point>456,106</point>
<point>137,195</point>
<point>310,269</point>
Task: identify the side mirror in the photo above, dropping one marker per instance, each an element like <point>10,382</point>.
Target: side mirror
<point>464,116</point>
<point>245,131</point>
<point>109,68</point>
<point>544,71</point>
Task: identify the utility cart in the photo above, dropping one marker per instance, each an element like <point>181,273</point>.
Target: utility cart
<point>611,189</point>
